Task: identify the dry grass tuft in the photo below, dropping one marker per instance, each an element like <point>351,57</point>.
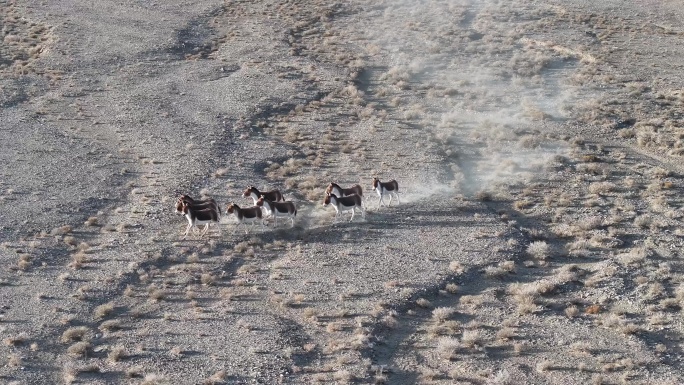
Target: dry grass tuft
<point>590,222</point>
<point>544,366</point>
<point>92,221</point>
<point>424,303</point>
<point>539,250</point>
<point>79,349</point>
<point>343,376</point>
<point>526,305</point>
<point>452,288</point>
<point>643,221</point>
<point>15,361</point>
<point>601,188</point>
<point>61,230</point>
<point>110,325</point>
<point>78,333</point>
<point>471,339</point>
<point>523,204</point>
<point>456,267</point>
<point>571,311</point>
<point>15,341</point>
<point>502,269</point>
<point>157,294</point>
<point>390,320</point>
<point>104,310</point>
<point>216,378</point>
<point>208,279</point>
<point>24,262</point>
<point>505,334</point>
<point>441,314</point>
<point>634,256</point>
<point>223,171</point>
<point>77,260</point>
<point>447,347</point>
<point>117,354</point>
<point>153,379</point>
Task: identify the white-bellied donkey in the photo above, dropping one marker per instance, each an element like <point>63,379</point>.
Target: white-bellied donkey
<point>341,204</point>
<point>198,217</point>
<point>208,203</point>
<point>278,209</point>
<point>334,188</point>
<point>247,215</point>
<point>255,194</point>
<point>386,188</point>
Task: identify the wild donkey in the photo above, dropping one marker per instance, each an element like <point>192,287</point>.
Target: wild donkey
<point>248,215</point>
<point>255,194</point>
<point>334,188</point>
<point>386,188</point>
<point>278,209</point>
<point>197,217</point>
<point>208,203</point>
<point>348,203</point>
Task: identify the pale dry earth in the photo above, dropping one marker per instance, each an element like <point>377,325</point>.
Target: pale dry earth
<point>538,147</point>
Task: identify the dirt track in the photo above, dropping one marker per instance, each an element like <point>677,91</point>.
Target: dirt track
<point>538,148</point>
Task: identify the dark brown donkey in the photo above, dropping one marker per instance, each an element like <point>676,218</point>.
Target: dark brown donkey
<point>273,195</point>
<point>386,188</point>
<point>247,215</point>
<point>341,204</point>
<point>278,209</point>
<point>197,217</point>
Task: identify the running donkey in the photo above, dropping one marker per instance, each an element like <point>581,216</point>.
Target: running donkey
<point>386,188</point>
<point>278,209</point>
<point>273,195</point>
<point>208,203</point>
<point>334,188</point>
<point>197,216</point>
<point>249,214</point>
<point>341,204</point>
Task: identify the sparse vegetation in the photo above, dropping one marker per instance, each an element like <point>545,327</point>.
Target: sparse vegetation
<point>104,310</point>
<point>117,353</point>
<point>539,250</point>
<point>78,333</point>
<point>539,173</point>
<point>79,349</point>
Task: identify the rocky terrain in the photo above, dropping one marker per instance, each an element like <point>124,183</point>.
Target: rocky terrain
<point>538,147</point>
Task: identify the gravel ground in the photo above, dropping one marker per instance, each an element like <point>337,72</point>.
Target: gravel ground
<point>537,146</point>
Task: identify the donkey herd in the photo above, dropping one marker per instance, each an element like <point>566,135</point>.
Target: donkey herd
<point>272,204</point>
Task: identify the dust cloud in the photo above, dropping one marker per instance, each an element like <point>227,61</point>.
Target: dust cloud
<point>490,95</point>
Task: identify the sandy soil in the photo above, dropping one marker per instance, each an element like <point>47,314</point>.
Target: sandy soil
<point>538,148</point>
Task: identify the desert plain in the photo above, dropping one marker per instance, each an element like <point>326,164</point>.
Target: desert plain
<point>538,146</point>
